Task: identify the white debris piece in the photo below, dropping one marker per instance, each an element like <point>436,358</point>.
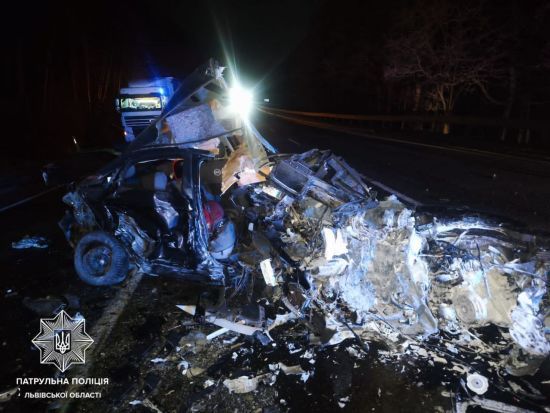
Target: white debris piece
<point>244,384</point>
<point>193,372</point>
<point>267,272</point>
<point>158,360</point>
<point>30,242</point>
<point>147,403</point>
<point>460,368</point>
<point>339,337</point>
<point>281,319</point>
<point>477,383</point>
<point>8,394</point>
<point>216,333</point>
<point>152,406</point>
<point>334,243</point>
<point>438,359</point>
<point>183,366</point>
<point>288,370</point>
<point>342,401</point>
<point>335,266</point>
<point>353,352</point>
<point>231,340</point>
<point>222,322</point>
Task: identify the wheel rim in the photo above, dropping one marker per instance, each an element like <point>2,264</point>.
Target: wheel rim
<point>98,260</point>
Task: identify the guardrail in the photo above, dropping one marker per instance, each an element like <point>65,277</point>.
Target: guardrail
<point>540,125</point>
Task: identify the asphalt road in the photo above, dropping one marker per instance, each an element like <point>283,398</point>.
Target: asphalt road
<point>508,186</point>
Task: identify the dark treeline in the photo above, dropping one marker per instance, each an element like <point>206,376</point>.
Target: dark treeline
<point>64,67</point>
<point>476,58</point>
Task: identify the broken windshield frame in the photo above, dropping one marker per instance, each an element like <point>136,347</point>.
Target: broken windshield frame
<point>206,78</point>
<point>191,85</point>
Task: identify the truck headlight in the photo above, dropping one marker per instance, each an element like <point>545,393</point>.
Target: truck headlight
<point>240,101</point>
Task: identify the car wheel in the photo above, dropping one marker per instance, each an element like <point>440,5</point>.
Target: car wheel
<point>100,259</point>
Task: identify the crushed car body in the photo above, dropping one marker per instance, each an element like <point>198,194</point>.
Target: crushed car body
<point>201,195</point>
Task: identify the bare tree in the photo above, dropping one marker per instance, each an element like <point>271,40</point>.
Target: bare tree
<point>446,49</point>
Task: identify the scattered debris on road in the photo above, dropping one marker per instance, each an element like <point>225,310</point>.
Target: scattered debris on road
<point>300,253</point>
<point>29,241</point>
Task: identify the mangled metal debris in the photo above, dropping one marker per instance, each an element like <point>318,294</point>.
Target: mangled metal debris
<point>489,405</point>
<point>376,270</point>
<point>400,276</point>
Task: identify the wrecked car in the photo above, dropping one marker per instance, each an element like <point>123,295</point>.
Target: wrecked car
<point>203,196</point>
<point>157,208</point>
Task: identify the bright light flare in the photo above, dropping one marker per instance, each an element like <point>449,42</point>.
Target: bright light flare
<point>240,101</point>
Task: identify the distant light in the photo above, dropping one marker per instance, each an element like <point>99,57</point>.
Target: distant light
<point>125,133</point>
<point>161,91</point>
<point>240,100</point>
<point>76,143</point>
<point>266,100</point>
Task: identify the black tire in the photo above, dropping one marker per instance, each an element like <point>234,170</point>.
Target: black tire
<point>100,259</point>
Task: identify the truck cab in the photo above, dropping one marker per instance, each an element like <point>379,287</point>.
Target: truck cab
<point>142,102</point>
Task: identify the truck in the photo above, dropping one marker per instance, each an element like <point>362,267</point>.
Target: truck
<point>142,102</point>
